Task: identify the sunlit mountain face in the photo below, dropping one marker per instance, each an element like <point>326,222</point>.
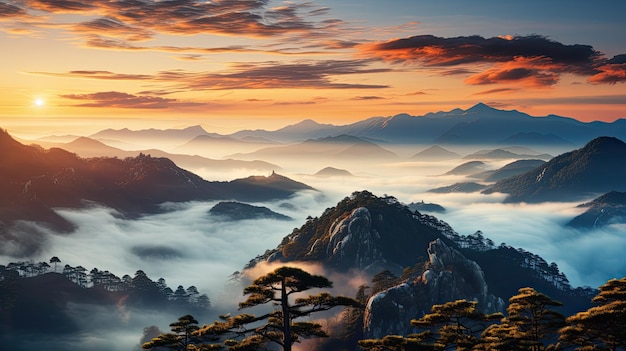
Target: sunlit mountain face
<point>158,156</point>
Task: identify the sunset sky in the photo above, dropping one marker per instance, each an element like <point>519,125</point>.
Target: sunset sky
<point>76,67</point>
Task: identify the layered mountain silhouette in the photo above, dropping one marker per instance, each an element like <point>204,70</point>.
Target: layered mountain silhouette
<point>33,181</point>
<point>332,172</point>
<point>341,147</point>
<point>506,153</point>
<point>435,153</point>
<point>371,234</point>
<point>509,170</point>
<point>467,168</point>
<point>479,125</point>
<point>465,187</point>
<point>592,170</point>
<point>610,208</point>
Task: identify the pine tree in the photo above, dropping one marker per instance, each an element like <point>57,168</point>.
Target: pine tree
<point>602,327</point>
<point>529,322</point>
<point>460,324</point>
<point>280,325</point>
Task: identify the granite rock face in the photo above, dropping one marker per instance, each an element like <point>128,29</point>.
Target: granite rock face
<point>449,276</point>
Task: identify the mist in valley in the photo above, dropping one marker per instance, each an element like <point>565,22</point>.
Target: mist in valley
<point>187,246</point>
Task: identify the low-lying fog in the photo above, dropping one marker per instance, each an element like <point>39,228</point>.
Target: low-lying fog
<point>187,246</point>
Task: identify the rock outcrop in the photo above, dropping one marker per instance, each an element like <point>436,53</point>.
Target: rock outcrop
<point>449,276</point>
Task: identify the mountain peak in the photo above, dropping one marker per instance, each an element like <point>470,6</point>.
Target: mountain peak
<point>481,107</point>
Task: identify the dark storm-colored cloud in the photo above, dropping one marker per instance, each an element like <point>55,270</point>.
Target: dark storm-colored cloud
<point>254,18</point>
<point>258,75</point>
<point>8,11</point>
<point>530,60</point>
<point>113,28</point>
<point>114,99</point>
<point>63,6</point>
<point>438,51</point>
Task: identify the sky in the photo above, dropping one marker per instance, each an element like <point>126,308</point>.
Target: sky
<point>72,66</point>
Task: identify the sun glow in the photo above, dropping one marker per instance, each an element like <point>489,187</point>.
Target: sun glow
<point>39,102</point>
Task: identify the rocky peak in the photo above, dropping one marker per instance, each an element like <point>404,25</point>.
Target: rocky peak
<point>449,276</point>
<point>353,242</point>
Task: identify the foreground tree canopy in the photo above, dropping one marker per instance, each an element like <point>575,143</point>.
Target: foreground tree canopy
<point>532,322</point>
<point>281,326</point>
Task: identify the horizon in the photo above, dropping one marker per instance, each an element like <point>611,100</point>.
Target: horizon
<point>209,129</point>
<point>228,66</point>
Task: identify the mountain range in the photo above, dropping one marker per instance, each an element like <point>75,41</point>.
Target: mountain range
<point>34,181</point>
<point>478,125</point>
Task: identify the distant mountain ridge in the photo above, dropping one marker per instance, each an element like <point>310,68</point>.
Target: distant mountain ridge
<point>596,168</point>
<point>340,147</point>
<point>480,124</point>
<point>477,125</point>
<point>33,181</point>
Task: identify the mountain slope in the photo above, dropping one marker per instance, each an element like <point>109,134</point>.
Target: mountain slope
<point>435,153</point>
<point>34,181</point>
<point>609,208</point>
<point>371,234</point>
<point>596,168</point>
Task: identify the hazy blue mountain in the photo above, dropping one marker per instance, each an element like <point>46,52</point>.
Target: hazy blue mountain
<point>596,168</point>
<point>306,129</point>
<point>468,168</point>
<point>341,147</point>
<point>219,145</point>
<point>236,211</point>
<point>87,147</point>
<point>511,169</point>
<point>332,172</point>
<point>480,124</point>
<point>466,187</point>
<point>536,138</point>
<point>505,153</point>
<point>164,137</point>
<point>435,153</point>
<point>609,208</point>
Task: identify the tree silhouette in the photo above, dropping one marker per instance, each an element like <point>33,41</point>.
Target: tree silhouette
<point>180,338</point>
<point>459,323</point>
<point>55,260</point>
<point>602,327</point>
<point>529,321</point>
<point>280,325</point>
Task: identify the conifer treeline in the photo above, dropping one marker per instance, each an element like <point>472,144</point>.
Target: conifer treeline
<point>140,287</point>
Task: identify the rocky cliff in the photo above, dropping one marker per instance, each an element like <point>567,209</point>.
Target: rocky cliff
<point>448,276</point>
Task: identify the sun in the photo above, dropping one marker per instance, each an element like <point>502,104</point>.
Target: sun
<point>40,102</point>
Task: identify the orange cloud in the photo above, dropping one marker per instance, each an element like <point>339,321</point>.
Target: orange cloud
<point>530,72</point>
<point>533,61</point>
<point>613,71</point>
